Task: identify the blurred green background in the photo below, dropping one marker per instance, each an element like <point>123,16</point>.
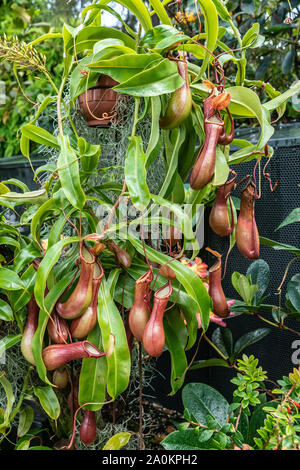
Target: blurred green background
<point>277,60</point>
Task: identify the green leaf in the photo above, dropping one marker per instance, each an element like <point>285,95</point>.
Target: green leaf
<point>135,173</point>
<point>6,312</point>
<point>9,399</point>
<point>93,15</point>
<point>160,11</point>
<point>39,135</point>
<point>89,155</point>
<point>10,241</point>
<point>159,78</point>
<point>222,10</point>
<point>20,298</point>
<point>68,171</point>
<point>186,440</point>
<point>26,416</point>
<point>213,362</point>
<point>221,168</point>
<point>113,331</point>
<point>248,339</point>
<point>172,140</point>
<point>138,8</point>
<point>283,97</point>
<point>211,28</point>
<point>8,342</point>
<point>293,217</point>
<point>10,280</point>
<point>48,400</point>
<point>293,292</point>
<point>244,287</point>
<point>155,134</point>
<point>17,183</point>
<point>257,420</point>
<point>88,36</point>
<point>245,103</point>
<point>260,274</point>
<point>163,36</point>
<point>222,338</point>
<point>25,146</point>
<point>57,228</point>
<point>117,441</point>
<point>39,217</point>
<point>279,246</point>
<point>125,66</point>
<point>24,445</point>
<point>176,339</point>
<point>44,37</point>
<point>93,376</point>
<point>31,197</point>
<point>288,61</point>
<point>251,35</point>
<point>201,400</point>
<point>26,256</point>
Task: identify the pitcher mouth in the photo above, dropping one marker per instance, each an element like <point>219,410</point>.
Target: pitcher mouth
<point>92,350</point>
<point>98,271</point>
<point>214,119</point>
<point>86,255</point>
<point>165,291</point>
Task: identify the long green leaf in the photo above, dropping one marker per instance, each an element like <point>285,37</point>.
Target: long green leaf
<point>280,99</point>
<point>9,280</point>
<point>176,338</point>
<point>138,8</point>
<point>126,66</point>
<point>161,78</point>
<point>48,400</point>
<point>160,11</point>
<point>113,331</point>
<point>93,376</point>
<point>6,314</point>
<point>88,36</point>
<point>68,171</point>
<point>39,135</point>
<point>9,399</point>
<point>135,173</point>
<point>211,28</point>
<point>245,103</point>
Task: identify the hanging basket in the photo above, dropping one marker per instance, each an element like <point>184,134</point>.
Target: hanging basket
<point>98,102</point>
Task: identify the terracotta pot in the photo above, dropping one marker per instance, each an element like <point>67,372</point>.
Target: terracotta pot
<point>97,102</point>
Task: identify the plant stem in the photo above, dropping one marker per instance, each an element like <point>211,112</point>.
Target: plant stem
<point>59,92</point>
<point>22,395</point>
<point>59,100</point>
<point>236,33</point>
<point>278,325</point>
<point>215,347</point>
<point>136,116</point>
